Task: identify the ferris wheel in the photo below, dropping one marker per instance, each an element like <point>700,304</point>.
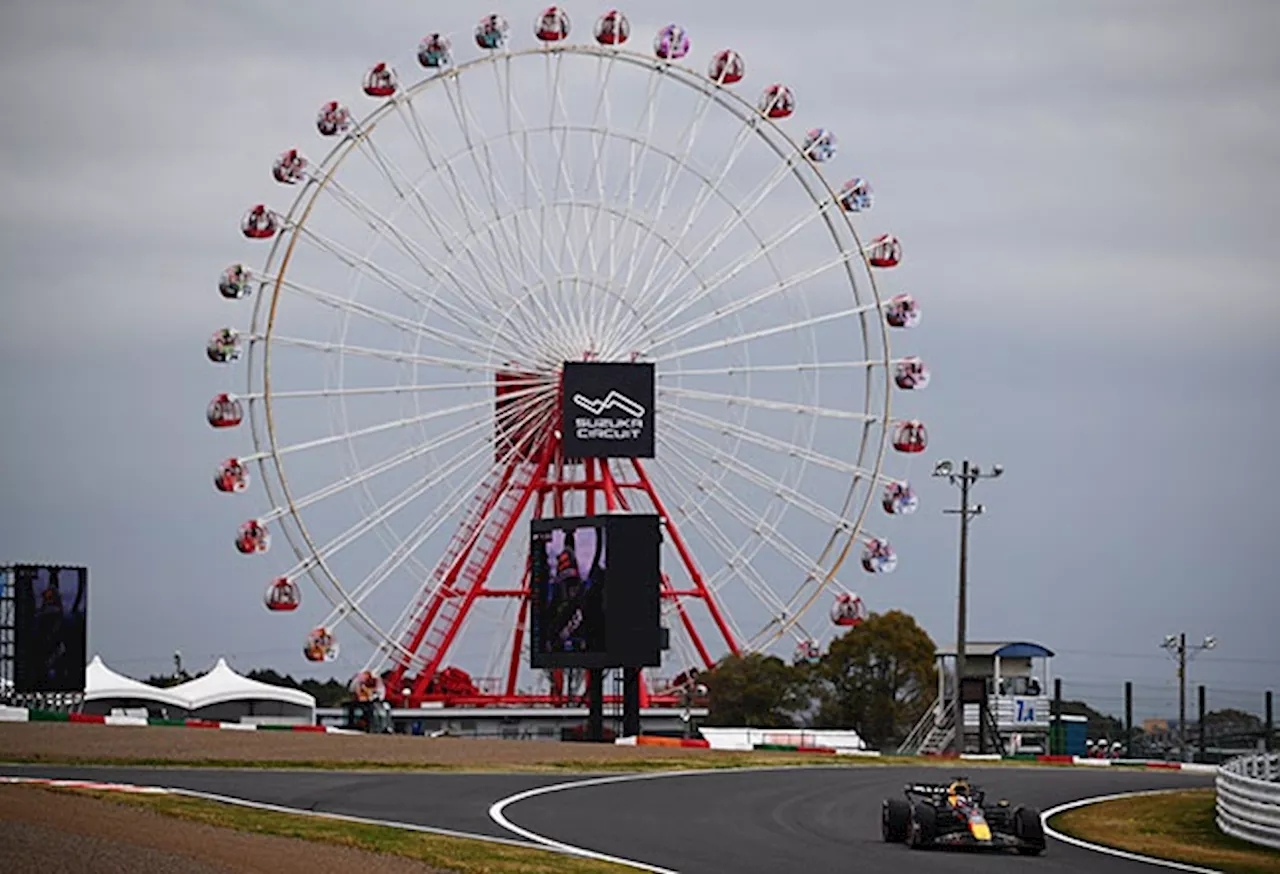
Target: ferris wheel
<point>528,204</point>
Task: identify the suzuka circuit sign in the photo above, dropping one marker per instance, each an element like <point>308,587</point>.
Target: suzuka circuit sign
<point>608,410</point>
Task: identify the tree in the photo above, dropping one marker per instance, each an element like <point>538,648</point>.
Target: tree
<point>877,679</point>
<point>754,691</point>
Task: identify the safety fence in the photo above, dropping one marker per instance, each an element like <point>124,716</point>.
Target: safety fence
<point>1249,799</point>
<point>24,714</point>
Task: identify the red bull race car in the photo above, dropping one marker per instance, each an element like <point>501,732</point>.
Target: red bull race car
<point>956,814</point>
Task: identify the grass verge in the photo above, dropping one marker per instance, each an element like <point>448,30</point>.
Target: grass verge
<point>1178,826</point>
<point>438,851</point>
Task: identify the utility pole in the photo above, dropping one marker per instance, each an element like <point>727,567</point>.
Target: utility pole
<point>1176,645</point>
<point>968,475</point>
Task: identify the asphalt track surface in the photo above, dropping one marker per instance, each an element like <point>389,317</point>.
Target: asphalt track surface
<point>710,822</point>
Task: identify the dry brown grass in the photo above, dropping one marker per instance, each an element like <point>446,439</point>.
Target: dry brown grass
<point>1178,826</point>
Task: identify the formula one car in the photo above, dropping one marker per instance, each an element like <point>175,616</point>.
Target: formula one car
<point>956,814</point>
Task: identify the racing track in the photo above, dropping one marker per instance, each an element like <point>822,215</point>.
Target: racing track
<point>709,822</point>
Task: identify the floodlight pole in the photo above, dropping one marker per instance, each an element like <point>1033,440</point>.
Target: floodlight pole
<point>968,475</point>
<point>1176,644</point>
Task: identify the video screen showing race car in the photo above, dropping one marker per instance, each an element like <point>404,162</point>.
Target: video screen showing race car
<point>568,575</point>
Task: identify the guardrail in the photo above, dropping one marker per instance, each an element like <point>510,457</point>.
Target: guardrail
<point>1249,799</point>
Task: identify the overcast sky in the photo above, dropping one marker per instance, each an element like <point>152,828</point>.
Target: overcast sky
<point>1087,194</point>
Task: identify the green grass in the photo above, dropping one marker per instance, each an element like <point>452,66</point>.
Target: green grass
<point>1178,826</point>
<point>459,855</point>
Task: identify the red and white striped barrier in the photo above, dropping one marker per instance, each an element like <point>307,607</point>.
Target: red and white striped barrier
<point>86,784</point>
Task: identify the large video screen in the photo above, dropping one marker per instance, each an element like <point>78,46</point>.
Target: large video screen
<point>50,627</point>
<point>594,593</point>
<point>568,571</point>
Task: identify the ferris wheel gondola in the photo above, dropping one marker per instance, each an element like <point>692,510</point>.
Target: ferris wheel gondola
<point>480,228</point>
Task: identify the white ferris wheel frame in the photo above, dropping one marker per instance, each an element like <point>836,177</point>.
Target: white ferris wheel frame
<point>267,449</point>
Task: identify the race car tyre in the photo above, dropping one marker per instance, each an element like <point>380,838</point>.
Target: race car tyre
<point>895,820</point>
<point>924,826</point>
<point>1028,829</point>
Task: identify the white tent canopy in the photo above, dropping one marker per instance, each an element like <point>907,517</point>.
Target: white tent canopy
<point>221,684</point>
<point>102,683</point>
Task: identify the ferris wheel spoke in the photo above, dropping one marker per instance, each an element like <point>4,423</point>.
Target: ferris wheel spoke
<point>493,189</point>
<point>567,324</point>
<point>478,429</point>
<point>389,509</point>
<point>757,478</point>
<point>431,266</point>
<point>703,290</point>
<point>764,404</point>
<point>736,559</point>
<point>667,187</point>
<point>547,392</point>
<point>750,125</point>
<point>402,388</point>
<point>752,336</point>
<point>764,441</point>
<point>638,156</point>
<point>396,558</point>
<point>365,266</point>
<point>416,328</point>
<point>735,507</point>
<point>563,161</point>
<point>467,205</point>
<point>736,369</point>
<point>599,155</point>
<point>382,354</point>
<point>671,314</point>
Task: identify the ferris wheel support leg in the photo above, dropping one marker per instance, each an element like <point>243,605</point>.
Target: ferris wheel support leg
<point>517,640</point>
<point>476,583</point>
<point>447,581</point>
<point>685,556</point>
<point>669,591</point>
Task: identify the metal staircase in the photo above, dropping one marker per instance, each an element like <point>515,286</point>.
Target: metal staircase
<point>934,732</point>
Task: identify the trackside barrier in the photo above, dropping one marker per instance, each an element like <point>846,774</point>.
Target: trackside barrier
<point>1249,799</point>
<point>747,739</point>
<point>23,714</point>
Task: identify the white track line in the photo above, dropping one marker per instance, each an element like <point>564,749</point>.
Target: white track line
<point>274,808</point>
<point>497,815</point>
<point>1119,854</point>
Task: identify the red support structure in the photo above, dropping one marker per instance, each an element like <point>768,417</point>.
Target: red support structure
<point>524,481</point>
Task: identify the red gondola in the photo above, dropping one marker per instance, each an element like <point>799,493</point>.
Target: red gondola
<point>902,312</point>
<point>225,411</point>
<point>899,499</point>
<point>259,223</point>
<point>885,251</point>
<point>808,651</point>
<point>727,67</point>
<point>552,25</point>
<point>612,28</point>
<point>253,537</point>
<point>283,595</point>
<point>819,145</point>
<point>320,646</point>
<point>433,51</point>
<point>878,557</point>
<point>777,101</point>
<point>380,81</point>
<point>848,610</point>
<point>491,32</point>
<point>910,374</point>
<point>333,119</point>
<point>289,167</point>
<point>910,437</point>
<point>234,282</point>
<point>224,346</point>
<point>367,686</point>
<point>671,43</point>
<point>231,476</point>
<point>856,195</point>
